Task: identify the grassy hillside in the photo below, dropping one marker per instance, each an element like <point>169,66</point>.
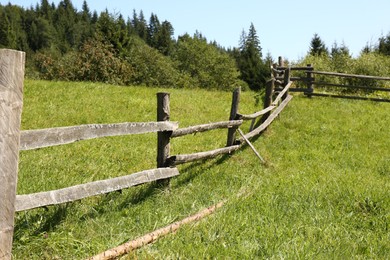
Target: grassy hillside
<point>324,194</point>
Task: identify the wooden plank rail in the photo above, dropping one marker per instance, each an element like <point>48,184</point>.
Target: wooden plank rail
<point>268,121</point>
<point>205,127</point>
<point>349,97</point>
<point>40,199</point>
<point>257,114</point>
<point>350,86</point>
<point>186,158</point>
<point>280,95</point>
<point>33,139</point>
<point>348,75</point>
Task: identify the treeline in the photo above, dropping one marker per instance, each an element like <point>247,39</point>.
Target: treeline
<point>63,43</point>
<point>372,60</point>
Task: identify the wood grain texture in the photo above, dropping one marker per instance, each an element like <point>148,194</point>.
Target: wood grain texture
<point>205,127</point>
<point>231,136</point>
<point>268,121</point>
<point>11,103</point>
<point>33,139</point>
<point>348,75</point>
<point>281,94</point>
<point>350,97</point>
<point>186,158</point>
<point>257,114</point>
<point>40,199</point>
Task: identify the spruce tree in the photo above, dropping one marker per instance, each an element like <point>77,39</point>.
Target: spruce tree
<point>253,70</point>
<point>317,46</point>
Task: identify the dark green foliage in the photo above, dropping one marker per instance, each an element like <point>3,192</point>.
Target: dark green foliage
<point>249,59</point>
<point>66,44</point>
<point>204,62</point>
<point>384,45</point>
<point>317,46</point>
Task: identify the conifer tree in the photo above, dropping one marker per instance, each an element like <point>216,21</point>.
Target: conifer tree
<point>253,70</point>
<point>317,46</point>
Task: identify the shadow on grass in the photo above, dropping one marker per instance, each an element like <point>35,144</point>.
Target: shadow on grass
<point>42,220</point>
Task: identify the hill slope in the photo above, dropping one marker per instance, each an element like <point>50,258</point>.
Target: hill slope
<point>325,193</point>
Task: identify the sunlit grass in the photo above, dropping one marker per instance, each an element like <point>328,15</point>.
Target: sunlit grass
<point>324,194</point>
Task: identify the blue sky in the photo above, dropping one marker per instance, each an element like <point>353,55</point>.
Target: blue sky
<point>285,28</point>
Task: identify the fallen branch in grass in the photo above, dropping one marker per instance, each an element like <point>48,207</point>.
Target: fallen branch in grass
<point>153,236</point>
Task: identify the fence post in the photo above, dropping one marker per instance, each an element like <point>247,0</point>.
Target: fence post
<point>310,80</point>
<point>11,103</point>
<point>287,75</point>
<point>233,114</point>
<point>163,137</point>
<point>280,61</point>
<point>269,91</point>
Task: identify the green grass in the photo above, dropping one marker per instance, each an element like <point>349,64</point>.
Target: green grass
<point>324,194</point>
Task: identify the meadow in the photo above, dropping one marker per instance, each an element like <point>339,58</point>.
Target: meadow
<point>324,193</point>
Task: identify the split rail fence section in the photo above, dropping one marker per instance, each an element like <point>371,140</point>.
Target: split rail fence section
<point>12,140</point>
<point>310,81</point>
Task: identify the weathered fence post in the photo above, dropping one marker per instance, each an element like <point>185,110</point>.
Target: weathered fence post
<point>310,80</point>
<point>280,61</point>
<point>233,114</point>
<point>287,75</point>
<point>163,138</point>
<point>11,102</point>
<point>269,91</point>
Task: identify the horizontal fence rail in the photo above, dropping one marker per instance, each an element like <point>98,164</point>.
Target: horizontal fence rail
<point>165,129</point>
<point>41,199</point>
<point>205,127</point>
<point>186,158</point>
<point>268,121</point>
<point>257,114</point>
<point>344,75</point>
<point>33,139</point>
<point>279,70</point>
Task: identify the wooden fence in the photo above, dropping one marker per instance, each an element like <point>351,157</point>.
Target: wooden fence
<point>12,140</point>
<point>310,81</point>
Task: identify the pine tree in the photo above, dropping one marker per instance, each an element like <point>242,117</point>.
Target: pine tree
<point>253,70</point>
<point>317,46</point>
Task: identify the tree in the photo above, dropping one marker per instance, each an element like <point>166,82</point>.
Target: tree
<point>317,46</point>
<point>206,63</point>
<point>339,50</point>
<point>384,45</point>
<point>249,59</point>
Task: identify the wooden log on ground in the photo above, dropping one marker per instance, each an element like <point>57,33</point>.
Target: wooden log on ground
<point>139,242</point>
<point>344,75</point>
<point>33,139</point>
<point>40,199</point>
<point>257,114</point>
<point>350,97</point>
<point>11,103</point>
<point>186,158</point>
<point>205,127</point>
<point>268,121</point>
<point>231,137</point>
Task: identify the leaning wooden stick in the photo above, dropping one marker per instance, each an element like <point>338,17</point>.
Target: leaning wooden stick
<point>250,145</point>
<point>153,236</point>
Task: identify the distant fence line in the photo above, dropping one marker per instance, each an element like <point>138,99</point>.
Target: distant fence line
<point>12,140</point>
<point>309,80</point>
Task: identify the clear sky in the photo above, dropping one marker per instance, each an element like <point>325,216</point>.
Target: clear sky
<point>285,28</point>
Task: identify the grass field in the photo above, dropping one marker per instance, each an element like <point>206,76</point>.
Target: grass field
<point>325,192</point>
